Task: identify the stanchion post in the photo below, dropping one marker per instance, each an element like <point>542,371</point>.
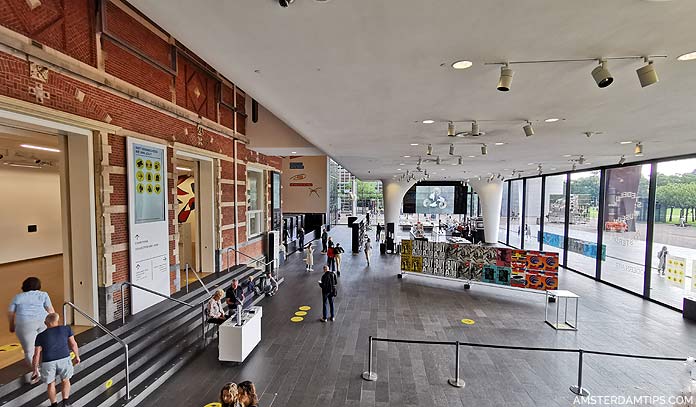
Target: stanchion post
<point>187,267</point>
<point>369,375</point>
<point>579,390</point>
<point>203,323</point>
<point>123,306</point>
<point>456,382</point>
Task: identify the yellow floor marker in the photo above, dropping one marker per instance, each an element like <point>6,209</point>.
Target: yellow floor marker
<point>109,383</point>
<point>305,308</point>
<point>216,404</point>
<point>10,347</point>
<point>468,321</point>
<point>301,313</point>
<point>296,319</point>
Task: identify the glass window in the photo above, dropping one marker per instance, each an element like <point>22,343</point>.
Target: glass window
<point>625,225</point>
<point>582,231</point>
<point>256,203</point>
<point>502,229</point>
<point>515,213</point>
<point>532,216</point>
<point>554,214</point>
<point>674,235</point>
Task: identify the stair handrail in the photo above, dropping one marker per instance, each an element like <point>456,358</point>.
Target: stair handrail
<point>263,262</point>
<point>187,267</point>
<point>123,303</point>
<point>103,328</point>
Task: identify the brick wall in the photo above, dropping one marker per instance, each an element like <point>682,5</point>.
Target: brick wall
<point>125,51</point>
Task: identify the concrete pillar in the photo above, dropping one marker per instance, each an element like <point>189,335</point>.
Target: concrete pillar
<point>490,196</point>
<point>393,193</point>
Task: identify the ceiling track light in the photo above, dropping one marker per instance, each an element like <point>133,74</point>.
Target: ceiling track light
<point>451,131</point>
<point>430,149</point>
<point>622,160</point>
<point>451,149</point>
<point>460,161</point>
<point>474,128</point>
<point>484,149</point>
<point>574,166</point>
<point>528,129</point>
<point>420,160</point>
<point>438,161</point>
<point>581,160</point>
<point>505,81</point>
<point>601,74</point>
<point>638,151</point>
<point>647,74</point>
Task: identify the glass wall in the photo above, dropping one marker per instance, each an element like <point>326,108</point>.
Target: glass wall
<point>582,220</point>
<point>515,212</point>
<point>502,229</point>
<point>554,215</point>
<point>532,215</point>
<point>625,226</point>
<point>674,235</point>
<point>615,249</point>
<point>255,202</point>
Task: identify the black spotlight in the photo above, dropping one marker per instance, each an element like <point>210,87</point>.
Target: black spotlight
<point>285,3</point>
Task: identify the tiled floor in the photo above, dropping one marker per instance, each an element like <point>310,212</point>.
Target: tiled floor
<point>319,364</point>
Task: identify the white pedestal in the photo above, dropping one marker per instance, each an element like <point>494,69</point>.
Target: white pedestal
<point>237,342</point>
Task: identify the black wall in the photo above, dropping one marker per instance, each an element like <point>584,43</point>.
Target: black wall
<point>459,196</point>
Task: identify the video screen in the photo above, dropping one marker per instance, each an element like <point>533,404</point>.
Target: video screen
<point>435,199</point>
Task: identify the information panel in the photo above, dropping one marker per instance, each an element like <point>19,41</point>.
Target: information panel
<point>147,216</point>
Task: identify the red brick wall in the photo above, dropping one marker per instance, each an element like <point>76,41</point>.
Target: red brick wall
<point>65,25</point>
<point>195,89</point>
<point>124,65</point>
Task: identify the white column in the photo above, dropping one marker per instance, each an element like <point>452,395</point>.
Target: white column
<point>490,196</point>
<point>393,193</point>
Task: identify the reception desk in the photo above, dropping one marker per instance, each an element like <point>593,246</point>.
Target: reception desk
<point>237,342</point>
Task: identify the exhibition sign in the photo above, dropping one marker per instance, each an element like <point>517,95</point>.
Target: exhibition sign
<point>676,270</point>
<point>502,266</point>
<point>147,221</point>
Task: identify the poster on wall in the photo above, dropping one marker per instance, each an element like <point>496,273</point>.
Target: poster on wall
<point>676,270</point>
<point>147,220</point>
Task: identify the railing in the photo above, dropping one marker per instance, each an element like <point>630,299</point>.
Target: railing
<point>197,277</point>
<point>263,263</point>
<point>103,328</point>
<point>123,303</point>
<point>370,375</point>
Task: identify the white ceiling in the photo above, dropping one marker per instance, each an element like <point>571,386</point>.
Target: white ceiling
<point>356,77</point>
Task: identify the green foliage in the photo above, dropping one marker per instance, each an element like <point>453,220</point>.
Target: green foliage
<point>368,190</point>
<point>677,195</point>
<point>586,186</point>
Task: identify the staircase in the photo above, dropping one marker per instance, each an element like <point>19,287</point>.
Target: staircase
<point>160,339</point>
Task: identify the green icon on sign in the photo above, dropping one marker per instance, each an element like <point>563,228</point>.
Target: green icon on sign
<point>140,188</point>
<point>149,188</point>
<point>148,165</point>
<point>157,177</point>
<point>139,163</point>
<point>158,189</point>
<point>139,176</point>
<point>157,165</point>
<point>148,176</point>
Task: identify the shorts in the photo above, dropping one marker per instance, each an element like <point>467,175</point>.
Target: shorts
<point>57,370</point>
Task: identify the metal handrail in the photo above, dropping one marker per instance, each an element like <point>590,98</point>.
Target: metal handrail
<point>370,375</point>
<point>264,262</point>
<point>123,303</point>
<point>103,328</point>
<point>197,277</point>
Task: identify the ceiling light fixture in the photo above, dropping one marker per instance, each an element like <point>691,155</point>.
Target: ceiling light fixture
<point>567,155</point>
<point>638,151</point>
<point>451,132</point>
<point>500,143</point>
<point>428,121</point>
<point>33,147</point>
<point>574,166</point>
<point>647,74</point>
<point>414,144</point>
<point>622,160</point>
<point>581,160</point>
<point>472,156</point>
<point>293,152</point>
<point>462,64</point>
<point>474,128</point>
<point>626,142</point>
<point>460,161</point>
<point>451,149</point>
<point>22,165</point>
<point>484,149</point>
<point>183,169</point>
<point>552,120</point>
<point>528,129</point>
<point>420,161</point>
<point>690,56</point>
<point>407,156</point>
<point>505,81</point>
<point>602,75</point>
<point>438,161</point>
<point>430,149</point>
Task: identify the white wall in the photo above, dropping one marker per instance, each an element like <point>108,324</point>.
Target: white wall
<point>29,197</point>
<point>299,184</point>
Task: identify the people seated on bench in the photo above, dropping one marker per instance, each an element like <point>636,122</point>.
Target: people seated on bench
<point>234,295</point>
<point>269,285</point>
<point>251,286</point>
<point>214,309</point>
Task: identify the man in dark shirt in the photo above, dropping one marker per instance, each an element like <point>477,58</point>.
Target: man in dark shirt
<point>235,295</point>
<point>52,350</point>
<point>328,292</point>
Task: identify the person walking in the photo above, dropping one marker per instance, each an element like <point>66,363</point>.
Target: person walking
<point>367,217</point>
<point>324,240</point>
<point>247,394</point>
<point>368,250</point>
<point>331,256</point>
<point>338,250</point>
<point>27,313</point>
<point>309,257</point>
<point>662,256</point>
<point>52,355</point>
<point>300,236</point>
<point>328,292</point>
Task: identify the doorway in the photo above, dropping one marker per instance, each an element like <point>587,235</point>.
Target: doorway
<point>195,216</point>
<point>46,179</point>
